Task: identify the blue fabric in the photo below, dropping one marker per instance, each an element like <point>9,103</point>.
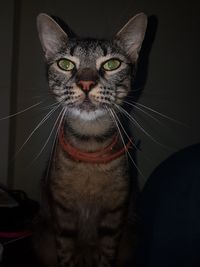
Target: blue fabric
<point>169,210</point>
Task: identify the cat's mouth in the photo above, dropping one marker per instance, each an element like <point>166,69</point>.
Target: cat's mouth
<point>87,105</point>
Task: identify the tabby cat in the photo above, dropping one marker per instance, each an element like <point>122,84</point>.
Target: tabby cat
<point>88,183</point>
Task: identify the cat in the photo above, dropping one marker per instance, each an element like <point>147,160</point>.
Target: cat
<point>88,183</point>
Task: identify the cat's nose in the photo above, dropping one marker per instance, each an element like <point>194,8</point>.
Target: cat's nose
<point>86,85</point>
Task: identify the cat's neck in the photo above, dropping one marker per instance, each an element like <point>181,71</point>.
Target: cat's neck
<point>89,135</point>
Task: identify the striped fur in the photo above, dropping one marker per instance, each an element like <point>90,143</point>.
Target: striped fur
<point>88,202</point>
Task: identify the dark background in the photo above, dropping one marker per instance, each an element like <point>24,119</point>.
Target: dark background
<point>169,73</point>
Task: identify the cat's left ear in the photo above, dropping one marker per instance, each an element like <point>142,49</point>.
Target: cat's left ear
<point>131,36</point>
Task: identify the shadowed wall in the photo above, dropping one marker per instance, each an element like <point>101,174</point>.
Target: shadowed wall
<point>171,80</point>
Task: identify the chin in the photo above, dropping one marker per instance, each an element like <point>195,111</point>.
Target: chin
<point>87,115</point>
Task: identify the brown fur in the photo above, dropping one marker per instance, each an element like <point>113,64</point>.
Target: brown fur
<point>87,203</point>
<point>85,198</point>
<point>91,192</point>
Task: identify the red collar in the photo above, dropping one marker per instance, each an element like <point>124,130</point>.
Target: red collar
<point>103,156</point>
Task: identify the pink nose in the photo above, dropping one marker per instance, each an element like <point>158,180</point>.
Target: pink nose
<point>86,85</point>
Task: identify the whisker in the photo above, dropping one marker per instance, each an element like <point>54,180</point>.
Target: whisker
<point>146,113</point>
<point>55,143</point>
<point>134,104</point>
<point>125,132</point>
<point>49,106</point>
<point>147,157</point>
<point>60,117</point>
<point>114,117</point>
<point>135,122</point>
<point>21,111</point>
<point>117,122</point>
<point>45,118</point>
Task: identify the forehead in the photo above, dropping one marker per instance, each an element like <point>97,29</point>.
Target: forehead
<point>91,49</point>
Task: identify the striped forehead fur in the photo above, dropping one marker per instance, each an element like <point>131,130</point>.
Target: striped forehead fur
<point>89,47</point>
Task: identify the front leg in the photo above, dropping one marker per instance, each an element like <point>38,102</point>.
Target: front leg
<point>110,232</point>
<point>98,251</point>
<point>66,232</point>
<point>65,250</point>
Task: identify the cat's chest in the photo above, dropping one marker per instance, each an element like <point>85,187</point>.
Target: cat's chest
<point>77,180</point>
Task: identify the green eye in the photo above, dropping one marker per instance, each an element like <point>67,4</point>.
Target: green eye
<point>65,64</point>
<point>112,64</point>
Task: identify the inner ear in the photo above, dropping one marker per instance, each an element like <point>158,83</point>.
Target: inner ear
<point>52,36</point>
<point>131,36</point>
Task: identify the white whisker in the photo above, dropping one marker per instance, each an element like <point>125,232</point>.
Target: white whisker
<point>117,122</point>
<point>21,111</point>
<point>45,118</point>
<point>146,157</point>
<point>49,106</point>
<point>59,118</point>
<point>135,104</point>
<point>145,112</point>
<point>55,142</point>
<point>135,122</point>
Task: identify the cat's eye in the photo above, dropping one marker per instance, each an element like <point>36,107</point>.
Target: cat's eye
<point>112,64</point>
<point>65,64</point>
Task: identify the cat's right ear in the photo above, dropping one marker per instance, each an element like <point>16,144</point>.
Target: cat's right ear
<point>131,36</point>
<point>52,36</point>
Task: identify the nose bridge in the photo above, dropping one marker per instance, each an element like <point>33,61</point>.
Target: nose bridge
<point>87,74</point>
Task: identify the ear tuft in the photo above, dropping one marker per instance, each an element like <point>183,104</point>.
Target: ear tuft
<point>131,36</point>
<point>52,36</point>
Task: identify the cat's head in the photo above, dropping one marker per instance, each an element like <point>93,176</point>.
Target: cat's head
<point>89,76</point>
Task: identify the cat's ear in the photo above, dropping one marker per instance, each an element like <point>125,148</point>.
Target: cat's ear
<point>131,36</point>
<point>52,36</point>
